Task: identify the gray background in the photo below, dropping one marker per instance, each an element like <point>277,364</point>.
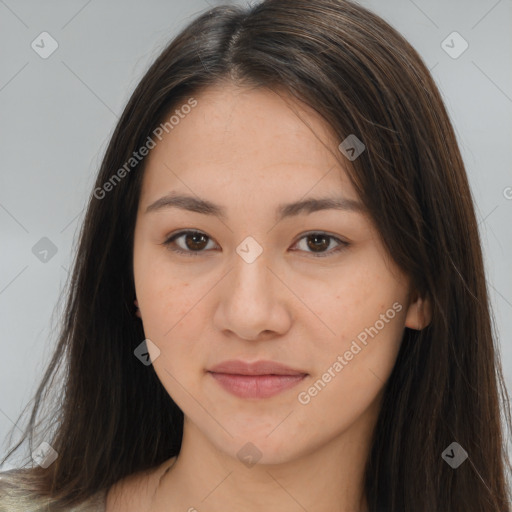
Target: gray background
<point>58,113</point>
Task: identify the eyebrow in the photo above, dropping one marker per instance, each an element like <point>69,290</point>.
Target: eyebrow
<point>198,205</point>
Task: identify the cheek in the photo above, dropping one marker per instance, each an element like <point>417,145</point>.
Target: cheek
<point>172,321</point>
<point>172,311</point>
<point>367,314</point>
<point>349,380</point>
<point>162,292</point>
<point>169,312</point>
<point>354,300</point>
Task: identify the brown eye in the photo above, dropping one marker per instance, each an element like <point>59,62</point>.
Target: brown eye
<point>193,242</point>
<point>318,243</point>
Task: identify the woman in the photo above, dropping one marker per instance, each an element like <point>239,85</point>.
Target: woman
<point>278,299</point>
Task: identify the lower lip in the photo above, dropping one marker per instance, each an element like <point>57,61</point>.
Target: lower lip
<point>256,386</point>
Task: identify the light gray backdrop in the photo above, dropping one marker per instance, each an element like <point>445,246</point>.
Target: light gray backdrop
<point>57,111</point>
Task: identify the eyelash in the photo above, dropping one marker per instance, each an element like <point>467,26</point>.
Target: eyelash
<point>343,245</point>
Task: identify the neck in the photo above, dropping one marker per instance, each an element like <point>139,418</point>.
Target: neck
<point>326,479</point>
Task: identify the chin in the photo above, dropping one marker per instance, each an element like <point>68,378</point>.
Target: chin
<point>259,448</point>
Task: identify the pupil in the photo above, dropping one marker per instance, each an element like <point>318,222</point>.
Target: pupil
<point>316,238</point>
<point>195,243</point>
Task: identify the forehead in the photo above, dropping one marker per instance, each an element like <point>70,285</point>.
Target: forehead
<point>244,139</point>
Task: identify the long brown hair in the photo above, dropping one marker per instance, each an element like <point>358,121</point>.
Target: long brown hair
<point>114,418</point>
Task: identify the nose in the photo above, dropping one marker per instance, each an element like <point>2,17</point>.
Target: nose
<point>253,302</point>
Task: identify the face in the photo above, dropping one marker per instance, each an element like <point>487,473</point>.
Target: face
<point>310,288</point>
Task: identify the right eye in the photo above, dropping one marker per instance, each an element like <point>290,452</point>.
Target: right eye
<point>194,242</point>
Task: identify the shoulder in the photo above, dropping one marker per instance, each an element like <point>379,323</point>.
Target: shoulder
<point>16,495</point>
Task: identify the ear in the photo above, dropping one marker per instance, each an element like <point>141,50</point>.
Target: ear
<point>419,314</point>
<point>137,311</point>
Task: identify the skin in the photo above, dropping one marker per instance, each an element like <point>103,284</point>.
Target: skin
<point>249,150</point>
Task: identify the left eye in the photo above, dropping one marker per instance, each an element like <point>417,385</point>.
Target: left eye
<point>196,241</point>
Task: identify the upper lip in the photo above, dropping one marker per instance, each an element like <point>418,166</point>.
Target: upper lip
<point>238,367</point>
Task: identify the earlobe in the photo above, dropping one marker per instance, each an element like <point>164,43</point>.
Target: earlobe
<point>419,314</point>
<point>137,310</point>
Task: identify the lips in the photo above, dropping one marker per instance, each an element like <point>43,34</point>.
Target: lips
<point>237,367</point>
<point>261,379</point>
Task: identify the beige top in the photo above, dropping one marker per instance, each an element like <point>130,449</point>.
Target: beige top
<point>15,497</point>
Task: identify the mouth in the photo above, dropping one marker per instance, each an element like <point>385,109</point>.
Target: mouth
<point>261,379</point>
